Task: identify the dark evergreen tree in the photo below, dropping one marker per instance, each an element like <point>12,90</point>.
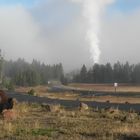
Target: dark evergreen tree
<point>83,74</point>
<point>136,74</point>
<point>121,73</point>
<point>24,74</point>
<point>108,77</point>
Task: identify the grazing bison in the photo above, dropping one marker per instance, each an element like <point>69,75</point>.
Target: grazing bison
<point>5,101</point>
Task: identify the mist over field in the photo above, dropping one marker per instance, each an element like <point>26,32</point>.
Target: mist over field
<point>55,31</point>
<point>67,64</point>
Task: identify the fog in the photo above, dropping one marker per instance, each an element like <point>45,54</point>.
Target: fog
<point>54,31</point>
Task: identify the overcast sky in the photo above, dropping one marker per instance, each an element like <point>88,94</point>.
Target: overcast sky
<point>53,31</point>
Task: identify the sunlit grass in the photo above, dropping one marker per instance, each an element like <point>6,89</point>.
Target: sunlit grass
<point>34,123</point>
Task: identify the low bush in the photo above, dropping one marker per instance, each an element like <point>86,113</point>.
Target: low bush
<point>32,92</point>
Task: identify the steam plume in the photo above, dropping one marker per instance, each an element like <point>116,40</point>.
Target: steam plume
<point>92,10</point>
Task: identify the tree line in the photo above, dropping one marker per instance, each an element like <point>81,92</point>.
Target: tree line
<point>107,73</point>
<point>22,73</point>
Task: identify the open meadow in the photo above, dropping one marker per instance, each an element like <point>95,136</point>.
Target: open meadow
<point>69,70</point>
<point>99,88</point>
<point>54,122</point>
<point>126,88</point>
<point>44,121</point>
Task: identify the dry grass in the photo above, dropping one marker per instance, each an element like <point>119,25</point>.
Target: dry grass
<point>41,91</point>
<point>107,87</point>
<point>36,123</point>
<point>95,87</point>
<point>38,89</point>
<point>111,99</point>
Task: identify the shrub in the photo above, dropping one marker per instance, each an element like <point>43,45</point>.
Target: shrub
<point>32,92</point>
<point>10,86</point>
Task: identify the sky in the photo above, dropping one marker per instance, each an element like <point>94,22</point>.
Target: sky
<point>54,31</point>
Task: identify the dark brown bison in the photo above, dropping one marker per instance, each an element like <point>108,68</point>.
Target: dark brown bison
<point>5,101</point>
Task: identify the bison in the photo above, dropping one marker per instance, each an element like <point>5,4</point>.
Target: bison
<point>5,101</point>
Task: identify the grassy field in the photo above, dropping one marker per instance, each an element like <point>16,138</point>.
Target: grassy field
<point>34,122</point>
<point>39,89</point>
<point>108,87</point>
<point>42,91</point>
<point>123,88</point>
<point>111,99</point>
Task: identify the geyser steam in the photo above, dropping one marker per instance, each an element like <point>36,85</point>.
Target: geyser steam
<point>92,10</point>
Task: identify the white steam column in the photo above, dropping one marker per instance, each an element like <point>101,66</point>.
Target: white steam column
<point>92,11</point>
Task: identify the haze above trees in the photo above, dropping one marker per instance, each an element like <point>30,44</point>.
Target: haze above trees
<point>22,73</point>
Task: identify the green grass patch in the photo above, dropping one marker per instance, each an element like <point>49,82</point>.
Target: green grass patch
<point>43,132</point>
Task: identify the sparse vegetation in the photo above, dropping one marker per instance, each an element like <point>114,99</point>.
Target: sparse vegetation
<point>10,86</point>
<point>32,92</point>
<point>43,92</point>
<point>35,123</point>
